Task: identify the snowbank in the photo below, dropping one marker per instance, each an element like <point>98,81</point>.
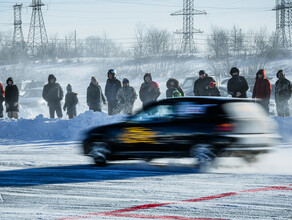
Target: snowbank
<point>42,128</point>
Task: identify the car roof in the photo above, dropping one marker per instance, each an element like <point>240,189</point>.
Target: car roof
<point>203,100</point>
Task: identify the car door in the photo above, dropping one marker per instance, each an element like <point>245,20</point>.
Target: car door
<point>147,133</point>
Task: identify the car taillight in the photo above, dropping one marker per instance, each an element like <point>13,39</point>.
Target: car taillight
<point>225,127</point>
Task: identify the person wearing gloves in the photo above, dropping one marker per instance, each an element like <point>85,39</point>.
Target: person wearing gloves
<point>237,85</point>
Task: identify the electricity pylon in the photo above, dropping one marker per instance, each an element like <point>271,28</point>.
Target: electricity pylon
<point>284,22</point>
<point>18,40</point>
<point>189,30</point>
<point>37,36</point>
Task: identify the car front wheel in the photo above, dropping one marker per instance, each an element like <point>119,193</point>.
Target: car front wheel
<point>100,152</point>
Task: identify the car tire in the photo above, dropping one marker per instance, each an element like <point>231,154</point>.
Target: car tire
<point>204,154</point>
<point>100,152</point>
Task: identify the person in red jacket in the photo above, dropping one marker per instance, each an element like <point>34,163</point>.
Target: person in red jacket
<point>2,99</point>
<point>262,89</point>
<point>149,90</point>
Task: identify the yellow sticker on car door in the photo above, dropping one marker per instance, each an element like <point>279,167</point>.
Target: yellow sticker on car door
<point>133,135</point>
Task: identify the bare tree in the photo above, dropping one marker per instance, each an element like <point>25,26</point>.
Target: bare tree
<point>218,43</point>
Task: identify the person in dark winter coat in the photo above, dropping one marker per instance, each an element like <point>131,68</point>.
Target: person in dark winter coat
<point>11,99</point>
<point>237,85</point>
<point>53,94</point>
<point>95,97</point>
<point>111,89</point>
<point>2,99</point>
<point>149,90</point>
<point>71,101</point>
<point>283,92</point>
<point>174,89</point>
<point>262,89</point>
<point>202,85</point>
<point>126,98</point>
<point>213,89</point>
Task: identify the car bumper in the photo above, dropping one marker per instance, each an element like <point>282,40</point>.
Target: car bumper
<point>244,144</point>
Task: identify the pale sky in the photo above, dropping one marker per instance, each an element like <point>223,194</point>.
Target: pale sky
<point>118,18</point>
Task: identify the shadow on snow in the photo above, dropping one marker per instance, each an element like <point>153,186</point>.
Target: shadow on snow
<point>85,173</point>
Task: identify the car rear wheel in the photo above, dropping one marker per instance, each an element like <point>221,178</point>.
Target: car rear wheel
<point>204,154</point>
<point>100,152</point>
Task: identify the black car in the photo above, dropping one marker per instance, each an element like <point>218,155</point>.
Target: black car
<point>197,127</point>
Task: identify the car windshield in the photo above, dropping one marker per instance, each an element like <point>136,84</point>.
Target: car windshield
<point>154,113</point>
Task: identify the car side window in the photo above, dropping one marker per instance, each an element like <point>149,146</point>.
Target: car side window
<point>155,113</point>
<point>195,110</point>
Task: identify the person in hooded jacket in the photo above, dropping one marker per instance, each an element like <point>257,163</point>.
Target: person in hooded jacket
<point>237,85</point>
<point>71,101</point>
<point>11,99</point>
<point>149,90</point>
<point>173,89</point>
<point>126,98</point>
<point>262,89</point>
<point>94,96</point>
<point>283,92</point>
<point>2,99</point>
<point>201,85</point>
<point>53,94</point>
<point>111,89</point>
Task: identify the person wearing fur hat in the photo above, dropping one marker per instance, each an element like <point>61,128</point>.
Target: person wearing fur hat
<point>53,95</point>
<point>71,101</point>
<point>262,89</point>
<point>94,96</point>
<point>111,89</point>
<point>173,89</point>
<point>126,98</point>
<point>149,90</point>
<point>237,85</point>
<point>11,99</point>
<point>283,92</point>
<point>2,99</point>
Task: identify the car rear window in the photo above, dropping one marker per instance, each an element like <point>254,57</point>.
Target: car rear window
<point>244,109</point>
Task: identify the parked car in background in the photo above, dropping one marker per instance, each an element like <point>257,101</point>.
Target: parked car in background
<point>202,128</point>
<point>31,93</point>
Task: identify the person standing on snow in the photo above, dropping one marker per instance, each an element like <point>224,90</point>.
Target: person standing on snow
<point>237,85</point>
<point>173,89</point>
<point>94,96</point>
<point>11,99</point>
<point>149,90</point>
<point>111,89</point>
<point>53,94</point>
<point>262,89</point>
<point>126,98</point>
<point>71,101</point>
<point>2,99</point>
<point>201,86</point>
<point>283,92</point>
